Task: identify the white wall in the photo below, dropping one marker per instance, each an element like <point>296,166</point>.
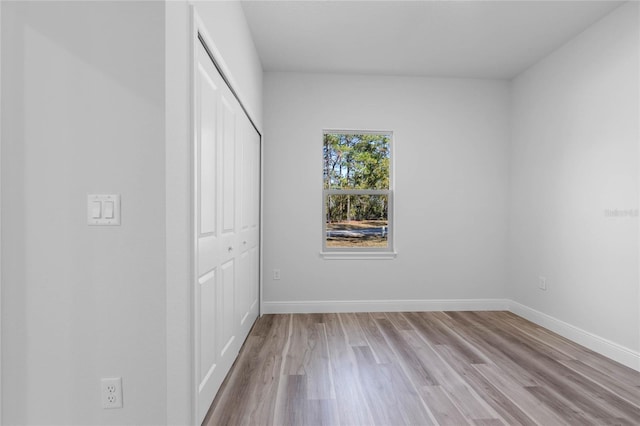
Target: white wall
<point>84,115</point>
<point>574,154</point>
<point>228,28</point>
<point>0,215</point>
<point>179,392</point>
<point>226,25</point>
<point>450,153</point>
<point>83,112</point>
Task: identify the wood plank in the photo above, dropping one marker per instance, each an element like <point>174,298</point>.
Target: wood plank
<point>299,410</point>
<point>520,396</point>
<point>463,395</point>
<point>616,421</point>
<point>488,422</point>
<point>352,406</point>
<point>456,368</point>
<point>630,394</point>
<point>450,376</point>
<point>294,411</point>
<point>391,398</point>
<point>380,398</point>
<point>248,393</point>
<point>399,321</point>
<point>419,372</point>
<point>443,409</point>
<point>353,331</point>
<point>308,355</point>
<point>561,406</point>
<point>442,372</point>
<point>509,411</point>
<point>518,331</point>
<point>486,339</point>
<point>585,394</point>
<point>448,337</point>
<point>375,340</point>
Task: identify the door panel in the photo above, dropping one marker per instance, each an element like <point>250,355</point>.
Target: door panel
<point>207,155</point>
<point>227,327</point>
<point>255,279</point>
<point>207,324</point>
<point>242,289</point>
<point>226,206</point>
<point>228,167</point>
<point>248,177</point>
<point>207,253</point>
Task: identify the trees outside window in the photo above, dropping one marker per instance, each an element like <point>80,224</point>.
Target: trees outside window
<point>357,195</point>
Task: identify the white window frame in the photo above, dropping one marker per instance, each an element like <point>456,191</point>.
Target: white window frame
<point>364,252</point>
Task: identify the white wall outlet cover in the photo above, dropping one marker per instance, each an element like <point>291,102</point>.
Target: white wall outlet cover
<point>112,392</point>
<point>542,283</point>
<point>103,209</point>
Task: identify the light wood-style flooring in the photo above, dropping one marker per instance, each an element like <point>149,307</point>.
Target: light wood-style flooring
<point>447,368</point>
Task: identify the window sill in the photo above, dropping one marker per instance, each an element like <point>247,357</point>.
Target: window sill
<point>355,255</point>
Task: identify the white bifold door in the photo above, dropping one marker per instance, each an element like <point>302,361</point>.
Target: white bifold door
<point>226,183</point>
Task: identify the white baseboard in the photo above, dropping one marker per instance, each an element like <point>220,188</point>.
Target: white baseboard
<point>598,344</point>
<point>333,306</point>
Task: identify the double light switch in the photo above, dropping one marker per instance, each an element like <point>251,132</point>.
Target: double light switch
<point>103,209</point>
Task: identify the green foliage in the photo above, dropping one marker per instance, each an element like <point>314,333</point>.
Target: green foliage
<point>341,208</point>
<point>352,162</point>
<point>356,161</point>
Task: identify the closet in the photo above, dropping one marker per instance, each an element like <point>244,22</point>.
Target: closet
<point>226,226</point>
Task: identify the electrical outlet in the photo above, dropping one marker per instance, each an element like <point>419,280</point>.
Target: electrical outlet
<point>112,393</point>
<point>542,283</point>
<point>276,274</point>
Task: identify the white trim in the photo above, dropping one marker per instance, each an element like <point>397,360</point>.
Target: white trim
<point>360,255</point>
<point>332,306</point>
<point>356,131</point>
<point>637,363</point>
<point>197,27</point>
<point>179,337</point>
<point>0,221</point>
<point>598,344</point>
<point>261,237</point>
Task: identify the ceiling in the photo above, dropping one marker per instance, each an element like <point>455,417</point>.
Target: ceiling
<point>478,39</point>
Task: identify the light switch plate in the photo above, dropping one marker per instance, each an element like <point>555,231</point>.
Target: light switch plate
<point>105,200</point>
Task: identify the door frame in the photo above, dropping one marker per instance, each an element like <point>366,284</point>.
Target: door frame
<point>200,36</point>
<point>0,217</point>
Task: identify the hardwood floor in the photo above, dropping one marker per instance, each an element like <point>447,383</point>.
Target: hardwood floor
<point>447,368</point>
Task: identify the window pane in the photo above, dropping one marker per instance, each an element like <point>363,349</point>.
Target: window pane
<point>358,161</point>
<point>359,221</point>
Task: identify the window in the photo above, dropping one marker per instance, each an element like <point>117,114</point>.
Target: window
<point>357,193</point>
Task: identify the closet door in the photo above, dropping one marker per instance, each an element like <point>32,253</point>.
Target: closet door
<point>226,209</point>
